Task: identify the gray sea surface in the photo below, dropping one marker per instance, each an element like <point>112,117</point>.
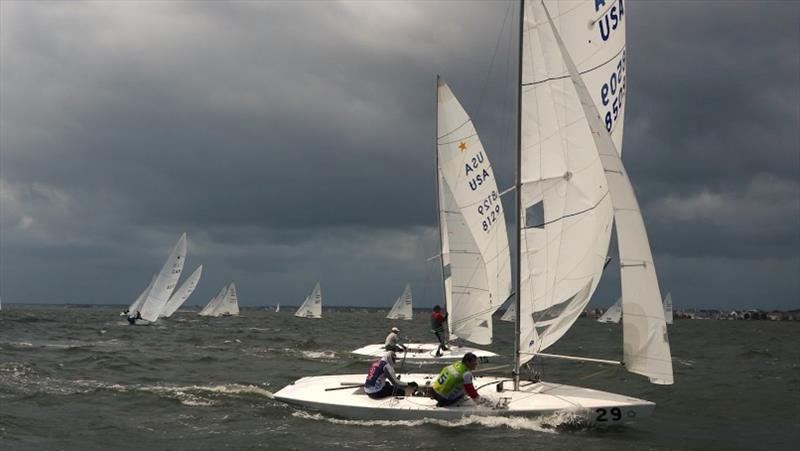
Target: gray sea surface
<point>82,379</point>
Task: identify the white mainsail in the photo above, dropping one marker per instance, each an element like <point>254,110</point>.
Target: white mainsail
<point>277,308</point>
<point>182,294</point>
<point>645,343</point>
<point>312,307</point>
<point>668,308</point>
<point>165,283</point>
<point>613,314</point>
<point>402,308</point>
<point>476,263</point>
<point>565,212</point>
<point>136,305</point>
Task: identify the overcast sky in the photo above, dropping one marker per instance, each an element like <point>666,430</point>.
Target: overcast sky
<point>294,142</point>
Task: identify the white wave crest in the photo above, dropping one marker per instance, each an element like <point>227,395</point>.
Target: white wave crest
<point>539,424</point>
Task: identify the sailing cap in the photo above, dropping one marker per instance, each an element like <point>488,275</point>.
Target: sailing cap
<point>394,329</point>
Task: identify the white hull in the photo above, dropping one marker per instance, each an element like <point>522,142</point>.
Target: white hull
<point>426,352</point>
<point>336,395</point>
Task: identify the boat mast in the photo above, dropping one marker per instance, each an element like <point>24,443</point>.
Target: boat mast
<point>517,344</point>
<point>438,201</point>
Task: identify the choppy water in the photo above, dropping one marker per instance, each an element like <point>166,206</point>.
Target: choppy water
<point>81,379</point>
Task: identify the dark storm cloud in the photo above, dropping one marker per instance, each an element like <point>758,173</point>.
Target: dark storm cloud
<point>294,142</point>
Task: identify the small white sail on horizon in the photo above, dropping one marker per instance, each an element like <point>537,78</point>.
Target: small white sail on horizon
<point>312,306</point>
<point>402,308</point>
<point>668,308</point>
<point>277,308</point>
<point>613,314</point>
<point>510,315</point>
<point>182,294</point>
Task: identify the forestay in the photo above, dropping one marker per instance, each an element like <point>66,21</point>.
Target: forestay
<point>312,307</point>
<point>402,308</point>
<point>476,263</point>
<point>182,294</point>
<point>645,343</point>
<point>165,282</point>
<point>566,213</point>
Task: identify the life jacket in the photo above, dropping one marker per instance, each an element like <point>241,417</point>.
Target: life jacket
<point>451,378</point>
<point>376,378</point>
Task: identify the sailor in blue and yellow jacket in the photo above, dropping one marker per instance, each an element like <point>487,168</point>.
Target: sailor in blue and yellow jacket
<point>456,380</point>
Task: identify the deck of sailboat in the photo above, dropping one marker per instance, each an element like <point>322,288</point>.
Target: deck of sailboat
<point>341,395</point>
<point>425,352</point>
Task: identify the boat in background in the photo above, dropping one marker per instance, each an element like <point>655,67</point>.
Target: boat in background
<point>225,303</point>
<point>402,308</point>
<point>312,306</point>
<point>182,294</point>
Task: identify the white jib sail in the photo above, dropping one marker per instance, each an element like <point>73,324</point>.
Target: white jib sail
<point>566,214</point>
<point>312,307</point>
<point>165,283</point>
<point>214,303</point>
<point>182,294</point>
<point>475,254</point>
<point>668,308</point>
<point>402,308</point>
<point>645,342</point>
<point>137,304</point>
<point>613,314</point>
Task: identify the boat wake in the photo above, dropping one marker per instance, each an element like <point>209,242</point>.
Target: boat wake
<point>549,424</point>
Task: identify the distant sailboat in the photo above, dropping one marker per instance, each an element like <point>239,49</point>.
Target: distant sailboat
<point>613,314</point>
<point>668,308</point>
<point>312,307</point>
<point>510,314</point>
<point>182,293</point>
<point>225,303</point>
<point>277,308</point>
<point>156,296</point>
<point>402,306</point>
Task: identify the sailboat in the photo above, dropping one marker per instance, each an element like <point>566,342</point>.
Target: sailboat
<point>225,303</point>
<point>402,306</point>
<point>668,308</point>
<point>510,315</point>
<point>312,306</point>
<point>475,259</point>
<point>277,308</point>
<point>570,183</point>
<point>148,306</point>
<point>613,314</point>
<point>182,294</point>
